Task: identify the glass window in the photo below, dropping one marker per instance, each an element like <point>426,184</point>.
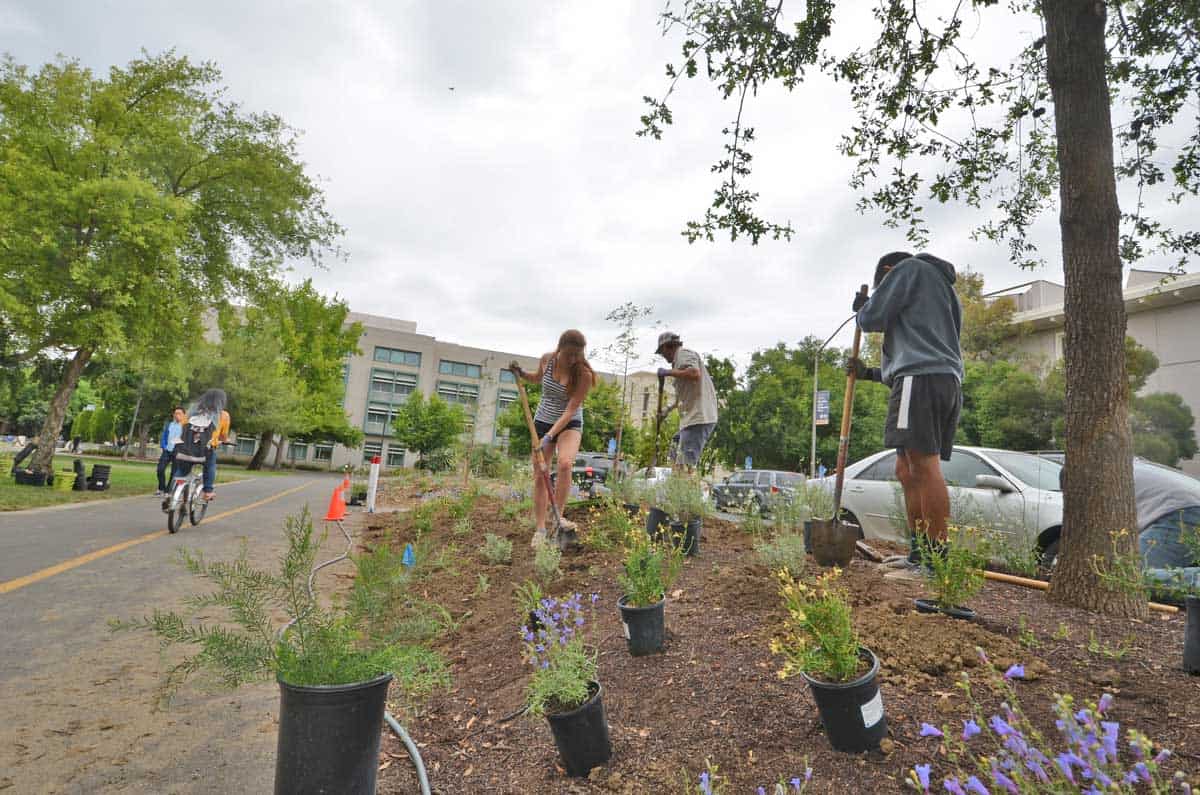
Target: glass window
<point>463,369</point>
<point>962,468</point>
<point>883,469</point>
<point>790,479</point>
<point>370,450</point>
<point>1031,469</point>
<point>297,451</point>
<point>378,419</point>
<point>504,399</point>
<point>397,356</point>
<point>392,386</point>
<point>246,446</point>
<point>764,478</point>
<point>466,394</point>
<point>395,456</point>
<point>323,452</point>
<point>743,477</point>
<point>507,377</point>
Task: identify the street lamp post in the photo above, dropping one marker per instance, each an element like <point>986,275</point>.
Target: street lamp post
<point>812,459</point>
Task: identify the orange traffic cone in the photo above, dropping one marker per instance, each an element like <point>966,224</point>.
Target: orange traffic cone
<point>337,506</point>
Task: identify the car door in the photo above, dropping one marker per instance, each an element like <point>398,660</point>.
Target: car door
<point>985,508</point>
<point>733,491</point>
<point>874,497</point>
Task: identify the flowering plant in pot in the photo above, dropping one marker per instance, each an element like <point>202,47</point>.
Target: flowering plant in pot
<point>819,643</point>
<point>956,572</point>
<point>651,567</point>
<point>333,664</point>
<point>563,686</point>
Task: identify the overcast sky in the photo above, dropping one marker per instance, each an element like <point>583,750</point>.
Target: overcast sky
<point>520,203</point>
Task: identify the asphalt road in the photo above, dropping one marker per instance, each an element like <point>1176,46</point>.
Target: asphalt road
<point>78,701</point>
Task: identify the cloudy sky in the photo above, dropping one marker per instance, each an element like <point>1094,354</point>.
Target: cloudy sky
<point>520,203</point>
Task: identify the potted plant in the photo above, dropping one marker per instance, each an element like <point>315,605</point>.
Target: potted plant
<point>629,491</point>
<point>333,671</point>
<point>956,574</point>
<point>683,501</point>
<point>650,569</point>
<point>564,686</point>
<point>819,643</point>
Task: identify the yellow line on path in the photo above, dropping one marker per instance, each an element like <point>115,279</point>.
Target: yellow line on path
<point>29,579</point>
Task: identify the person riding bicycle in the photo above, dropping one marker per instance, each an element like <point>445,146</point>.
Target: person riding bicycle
<point>207,427</point>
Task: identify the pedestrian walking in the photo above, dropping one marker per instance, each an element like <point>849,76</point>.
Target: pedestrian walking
<point>171,433</point>
<point>916,308</point>
<point>695,397</point>
<point>566,377</point>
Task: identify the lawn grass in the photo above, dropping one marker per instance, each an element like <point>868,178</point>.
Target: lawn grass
<point>129,478</point>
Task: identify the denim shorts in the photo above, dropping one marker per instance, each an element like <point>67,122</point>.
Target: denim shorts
<point>543,427</point>
<point>691,442</point>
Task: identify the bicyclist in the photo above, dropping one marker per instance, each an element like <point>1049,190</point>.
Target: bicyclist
<point>209,411</point>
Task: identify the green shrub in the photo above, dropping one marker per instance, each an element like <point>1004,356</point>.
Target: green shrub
<point>496,549</point>
<point>754,524</point>
<point>789,511</point>
<point>683,499</point>
<point>957,567</point>
<point>818,638</point>
<point>488,462</point>
<point>545,562</point>
<point>650,570</point>
<point>528,594</point>
<point>611,527</point>
<point>784,552</point>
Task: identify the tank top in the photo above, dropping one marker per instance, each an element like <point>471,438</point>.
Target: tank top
<point>554,398</point>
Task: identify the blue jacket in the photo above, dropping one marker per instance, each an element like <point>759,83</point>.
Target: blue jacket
<point>172,432</point>
<point>917,310</point>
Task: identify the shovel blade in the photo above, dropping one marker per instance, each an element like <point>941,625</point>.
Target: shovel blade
<point>833,542</point>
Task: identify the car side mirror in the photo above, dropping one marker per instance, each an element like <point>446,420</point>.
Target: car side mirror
<point>993,482</point>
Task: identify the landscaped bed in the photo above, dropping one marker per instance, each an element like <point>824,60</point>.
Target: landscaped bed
<point>714,694</point>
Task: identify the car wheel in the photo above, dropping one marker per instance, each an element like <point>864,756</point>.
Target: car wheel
<point>1049,556</point>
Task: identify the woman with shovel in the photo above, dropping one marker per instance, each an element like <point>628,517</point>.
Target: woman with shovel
<point>566,377</point>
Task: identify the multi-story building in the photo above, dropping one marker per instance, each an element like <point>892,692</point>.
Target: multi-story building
<point>1163,315</point>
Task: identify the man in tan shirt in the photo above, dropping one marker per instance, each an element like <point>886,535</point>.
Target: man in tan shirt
<point>695,397</point>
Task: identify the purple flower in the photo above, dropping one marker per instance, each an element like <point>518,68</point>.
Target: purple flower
<point>970,729</point>
<point>1161,756</point>
<point>975,785</point>
<point>579,621</point>
<point>922,772</point>
<point>929,730</point>
<point>1111,731</point>
<point>807,774</point>
<point>545,664</point>
<point>952,786</point>
<point>1142,772</point>
<point>999,726</point>
<point>1004,781</point>
<point>1106,702</point>
<point>539,648</point>
<point>705,785</point>
<point>595,598</point>
<point>1038,770</point>
<point>762,791</point>
<point>1015,671</point>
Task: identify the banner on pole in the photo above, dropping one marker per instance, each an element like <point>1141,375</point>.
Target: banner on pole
<point>822,407</point>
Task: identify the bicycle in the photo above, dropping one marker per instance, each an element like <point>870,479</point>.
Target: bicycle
<point>186,498</point>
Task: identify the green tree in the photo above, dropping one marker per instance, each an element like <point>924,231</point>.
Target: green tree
<point>81,426</point>
<point>987,327</point>
<point>602,410</point>
<point>428,426</point>
<point>623,350</point>
<point>134,200</point>
<point>103,427</point>
<point>1163,428</point>
<point>934,122</point>
<point>1007,407</point>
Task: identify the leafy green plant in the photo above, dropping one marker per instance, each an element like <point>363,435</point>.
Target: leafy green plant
<point>629,490</point>
<point>528,594</point>
<point>1015,555</point>
<point>788,511</point>
<point>956,568</point>
<point>1118,652</point>
<point>649,571</point>
<point>564,664</point>
<point>463,526</point>
<point>610,527</point>
<point>483,585</point>
<point>497,550</point>
<point>511,510</point>
<point>683,499</point>
<point>753,524</point>
<point>545,562</point>
<point>1025,635</point>
<point>783,552</point>
<point>317,645</point>
<point>818,498</point>
<point>818,638</point>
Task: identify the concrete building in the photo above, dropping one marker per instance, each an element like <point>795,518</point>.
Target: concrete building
<point>1163,315</point>
<point>641,395</point>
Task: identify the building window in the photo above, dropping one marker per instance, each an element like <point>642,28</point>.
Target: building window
<point>378,419</point>
<point>446,367</point>
<point>397,356</point>
<point>392,386</point>
<point>370,450</point>
<point>504,399</point>
<point>297,451</point>
<point>322,452</point>
<point>395,456</point>
<point>466,394</point>
<point>507,377</point>
<point>246,446</point>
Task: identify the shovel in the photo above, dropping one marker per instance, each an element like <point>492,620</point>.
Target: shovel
<point>658,420</point>
<point>833,541</point>
<point>561,534</point>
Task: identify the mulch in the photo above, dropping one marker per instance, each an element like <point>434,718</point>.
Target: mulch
<point>714,693</point>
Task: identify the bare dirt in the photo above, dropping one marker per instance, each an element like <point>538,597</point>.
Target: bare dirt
<point>714,693</point>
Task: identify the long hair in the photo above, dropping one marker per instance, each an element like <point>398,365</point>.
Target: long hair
<point>887,262</point>
<point>210,404</point>
<point>570,353</point>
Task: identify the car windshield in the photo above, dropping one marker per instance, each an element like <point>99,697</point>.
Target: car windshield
<point>1034,470</point>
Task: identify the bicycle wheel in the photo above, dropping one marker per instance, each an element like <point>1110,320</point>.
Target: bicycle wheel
<point>197,506</point>
<point>175,515</point>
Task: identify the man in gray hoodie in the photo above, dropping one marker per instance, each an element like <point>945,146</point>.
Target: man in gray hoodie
<point>916,308</point>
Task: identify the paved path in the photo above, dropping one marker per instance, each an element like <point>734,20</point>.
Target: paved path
<point>78,701</point>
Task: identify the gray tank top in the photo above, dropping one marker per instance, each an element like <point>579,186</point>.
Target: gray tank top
<point>554,398</point>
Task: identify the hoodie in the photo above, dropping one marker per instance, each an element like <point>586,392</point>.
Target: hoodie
<point>917,310</point>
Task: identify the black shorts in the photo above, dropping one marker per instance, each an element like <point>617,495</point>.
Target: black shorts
<point>543,427</point>
<point>923,414</point>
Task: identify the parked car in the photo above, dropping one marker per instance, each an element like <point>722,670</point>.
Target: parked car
<point>652,476</point>
<point>600,464</point>
<point>754,488</point>
<point>1016,494</point>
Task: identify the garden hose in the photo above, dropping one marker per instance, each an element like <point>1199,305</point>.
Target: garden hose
<point>395,726</point>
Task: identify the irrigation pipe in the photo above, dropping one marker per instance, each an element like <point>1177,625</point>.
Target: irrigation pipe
<point>395,726</point>
<point>1039,585</point>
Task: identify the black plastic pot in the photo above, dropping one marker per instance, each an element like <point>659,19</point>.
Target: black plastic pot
<point>329,737</point>
<point>633,509</point>
<point>688,535</point>
<point>644,627</point>
<point>656,521</point>
<point>808,523</point>
<point>930,606</point>
<point>852,712</point>
<point>582,735</point>
<point>1191,636</point>
<point>832,542</point>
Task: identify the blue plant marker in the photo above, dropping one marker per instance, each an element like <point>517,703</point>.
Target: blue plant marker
<point>409,558</point>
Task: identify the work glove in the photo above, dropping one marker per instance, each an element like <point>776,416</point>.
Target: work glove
<point>861,371</point>
<point>859,301</point>
<point>663,372</point>
<point>516,368</point>
<point>547,442</point>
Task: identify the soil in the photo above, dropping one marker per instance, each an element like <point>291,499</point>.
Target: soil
<point>714,693</point>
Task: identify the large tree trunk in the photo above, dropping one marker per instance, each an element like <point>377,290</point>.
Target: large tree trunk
<point>279,451</point>
<point>1098,484</point>
<point>260,455</point>
<point>43,459</point>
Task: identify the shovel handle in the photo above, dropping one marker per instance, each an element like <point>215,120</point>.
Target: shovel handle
<point>847,416</point>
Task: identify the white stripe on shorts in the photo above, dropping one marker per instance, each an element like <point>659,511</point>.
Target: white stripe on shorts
<point>905,394</point>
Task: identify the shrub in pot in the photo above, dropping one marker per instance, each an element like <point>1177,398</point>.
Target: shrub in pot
<point>650,570</point>
<point>333,666</point>
<point>564,686</point>
<point>630,492</point>
<point>683,501</point>
<point>818,642</point>
<point>956,573</point>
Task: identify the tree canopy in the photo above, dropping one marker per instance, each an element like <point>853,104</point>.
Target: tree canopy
<point>428,425</point>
